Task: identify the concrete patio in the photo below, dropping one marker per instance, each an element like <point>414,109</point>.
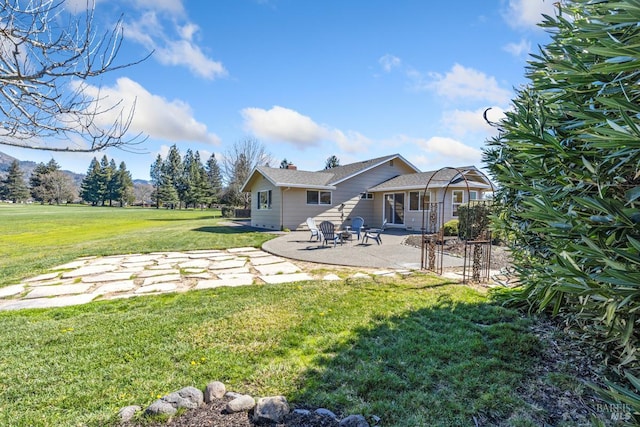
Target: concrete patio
<point>392,253</point>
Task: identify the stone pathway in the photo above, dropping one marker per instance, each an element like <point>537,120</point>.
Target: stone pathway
<point>125,276</point>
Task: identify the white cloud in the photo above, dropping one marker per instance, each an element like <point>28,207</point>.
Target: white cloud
<point>173,43</point>
<point>518,49</point>
<point>440,151</point>
<point>388,62</point>
<point>154,116</point>
<point>284,124</point>
<point>528,13</point>
<point>462,122</point>
<point>465,83</point>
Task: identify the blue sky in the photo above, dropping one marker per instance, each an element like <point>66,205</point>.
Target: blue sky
<point>309,79</point>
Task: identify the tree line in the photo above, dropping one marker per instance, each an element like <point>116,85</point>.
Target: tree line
<point>47,184</point>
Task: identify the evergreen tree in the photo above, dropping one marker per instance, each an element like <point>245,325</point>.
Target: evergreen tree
<point>204,190</point>
<point>214,178</point>
<point>156,173</point>
<point>106,174</point>
<point>113,185</point>
<point>285,164</point>
<point>92,187</point>
<point>331,162</point>
<point>13,187</point>
<point>124,186</point>
<point>39,184</point>
<point>173,170</point>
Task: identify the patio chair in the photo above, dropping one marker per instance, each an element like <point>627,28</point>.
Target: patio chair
<point>327,229</point>
<point>356,226</point>
<point>374,233</point>
<point>313,228</point>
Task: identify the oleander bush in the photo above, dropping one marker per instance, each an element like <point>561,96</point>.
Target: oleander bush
<point>567,161</point>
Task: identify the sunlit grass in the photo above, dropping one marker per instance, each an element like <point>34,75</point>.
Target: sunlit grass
<point>34,237</point>
<point>411,350</point>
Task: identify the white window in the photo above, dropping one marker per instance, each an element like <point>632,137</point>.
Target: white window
<point>457,198</point>
<point>366,196</point>
<point>473,195</point>
<point>318,197</point>
<point>418,200</point>
<point>264,199</point>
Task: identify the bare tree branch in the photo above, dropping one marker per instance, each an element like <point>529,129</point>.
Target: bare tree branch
<point>46,56</point>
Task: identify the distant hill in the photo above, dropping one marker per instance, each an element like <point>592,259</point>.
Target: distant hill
<point>27,166</point>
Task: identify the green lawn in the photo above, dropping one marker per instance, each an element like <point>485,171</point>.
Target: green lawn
<point>34,237</point>
<point>413,351</point>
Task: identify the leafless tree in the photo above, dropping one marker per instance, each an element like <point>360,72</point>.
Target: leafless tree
<point>238,162</point>
<point>47,57</point>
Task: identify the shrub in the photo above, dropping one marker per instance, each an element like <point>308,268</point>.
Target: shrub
<point>474,219</point>
<point>451,227</point>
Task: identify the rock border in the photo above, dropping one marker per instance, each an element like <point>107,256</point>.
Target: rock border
<point>271,409</point>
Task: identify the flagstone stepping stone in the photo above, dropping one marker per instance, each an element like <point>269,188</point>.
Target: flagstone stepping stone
<point>246,277</point>
<point>360,276</point>
<point>232,263</point>
<point>384,273</point>
<point>53,282</point>
<point>142,264</point>
<point>115,287</point>
<point>57,290</point>
<point>71,265</point>
<point>266,260</point>
<point>279,268</point>
<point>237,250</point>
<point>161,279</point>
<point>217,283</point>
<point>107,261</point>
<point>230,271</point>
<point>203,255</point>
<point>331,277</point>
<point>107,277</point>
<point>199,275</point>
<point>43,277</point>
<point>286,278</point>
<point>10,291</point>
<point>142,258</point>
<point>89,270</point>
<point>153,273</point>
<point>157,287</point>
<point>62,301</point>
<point>255,254</point>
<point>222,257</point>
<point>198,263</point>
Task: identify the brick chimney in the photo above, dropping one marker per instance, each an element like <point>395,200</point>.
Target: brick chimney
<point>292,166</point>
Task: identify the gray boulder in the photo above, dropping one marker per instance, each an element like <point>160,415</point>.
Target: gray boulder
<point>160,407</point>
<point>177,401</point>
<point>354,421</point>
<point>326,413</point>
<point>239,404</point>
<point>271,409</point>
<point>193,395</point>
<point>214,390</point>
<point>128,412</point>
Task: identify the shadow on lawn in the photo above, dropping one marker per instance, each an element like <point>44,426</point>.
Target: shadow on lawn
<point>200,218</point>
<point>223,229</point>
<point>455,364</point>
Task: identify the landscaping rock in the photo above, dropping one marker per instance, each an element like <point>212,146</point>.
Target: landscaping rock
<point>354,421</point>
<point>127,413</point>
<point>326,413</point>
<point>214,390</point>
<point>301,411</point>
<point>160,407</point>
<point>271,409</point>
<point>239,404</point>
<point>192,394</point>
<point>178,401</point>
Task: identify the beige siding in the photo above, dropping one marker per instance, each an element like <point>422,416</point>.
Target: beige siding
<point>345,200</point>
<point>265,218</point>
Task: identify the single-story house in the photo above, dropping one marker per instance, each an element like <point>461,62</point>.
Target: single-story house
<point>388,187</point>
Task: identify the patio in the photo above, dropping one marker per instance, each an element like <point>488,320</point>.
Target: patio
<point>392,253</point>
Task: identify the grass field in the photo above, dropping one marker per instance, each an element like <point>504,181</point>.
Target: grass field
<point>414,351</point>
<point>34,237</point>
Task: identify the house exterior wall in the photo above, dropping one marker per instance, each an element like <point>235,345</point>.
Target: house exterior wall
<point>265,218</point>
<point>345,199</point>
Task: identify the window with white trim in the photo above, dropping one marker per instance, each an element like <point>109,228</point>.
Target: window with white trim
<point>418,199</point>
<point>318,197</point>
<point>264,199</point>
<point>473,195</point>
<point>457,198</point>
<point>366,196</point>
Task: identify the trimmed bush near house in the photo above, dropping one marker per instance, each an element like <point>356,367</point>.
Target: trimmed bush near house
<point>451,227</point>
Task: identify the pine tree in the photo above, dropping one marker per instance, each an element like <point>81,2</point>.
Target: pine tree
<point>156,173</point>
<point>331,162</point>
<point>40,183</point>
<point>92,189</point>
<point>214,178</point>
<point>13,187</point>
<point>106,174</point>
<point>173,169</point>
<point>124,186</point>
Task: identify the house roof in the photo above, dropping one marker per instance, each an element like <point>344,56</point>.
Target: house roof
<point>324,179</point>
<point>441,178</point>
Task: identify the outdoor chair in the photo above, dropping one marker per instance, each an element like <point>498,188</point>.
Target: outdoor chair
<point>356,226</point>
<point>374,233</point>
<point>313,228</point>
<point>327,229</point>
